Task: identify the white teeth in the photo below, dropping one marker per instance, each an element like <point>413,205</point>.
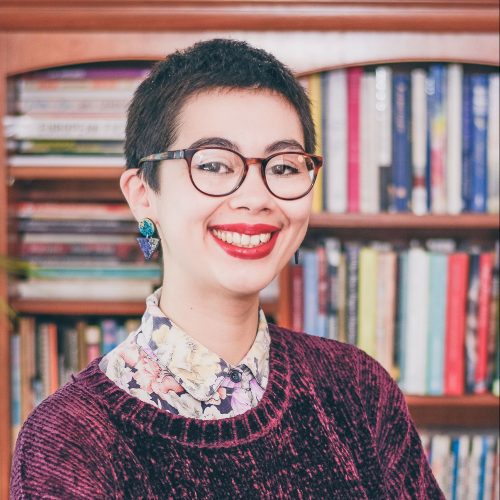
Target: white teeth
<point>242,240</point>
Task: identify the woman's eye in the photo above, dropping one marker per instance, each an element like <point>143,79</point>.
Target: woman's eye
<point>283,169</point>
<point>214,167</point>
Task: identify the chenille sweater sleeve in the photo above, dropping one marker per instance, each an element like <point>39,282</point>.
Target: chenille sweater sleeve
<point>407,473</point>
<point>59,454</point>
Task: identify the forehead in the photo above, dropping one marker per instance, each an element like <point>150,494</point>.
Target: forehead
<point>247,117</point>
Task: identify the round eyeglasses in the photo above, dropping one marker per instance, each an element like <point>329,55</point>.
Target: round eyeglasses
<point>218,171</point>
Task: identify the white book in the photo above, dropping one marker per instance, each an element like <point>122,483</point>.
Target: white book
<point>31,95</point>
<point>419,140</point>
<point>35,127</point>
<point>475,466</point>
<point>77,238</point>
<point>463,467</point>
<point>66,161</point>
<point>369,172</point>
<point>454,139</point>
<point>489,443</point>
<point>414,375</point>
<point>493,158</point>
<point>335,141</point>
<point>383,96</point>
<point>441,462</point>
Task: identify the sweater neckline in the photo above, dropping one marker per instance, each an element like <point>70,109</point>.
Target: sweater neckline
<point>157,422</point>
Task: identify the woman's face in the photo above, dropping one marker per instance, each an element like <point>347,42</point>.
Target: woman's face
<point>251,123</point>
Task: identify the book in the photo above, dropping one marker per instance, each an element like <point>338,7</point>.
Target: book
<point>437,98</point>
<point>401,154</point>
<point>310,266</point>
<point>315,98</point>
<point>367,300</point>
<point>485,271</point>
<point>352,250</point>
<point>27,364</point>
<point>494,325</point>
<point>335,140</point>
<point>413,377</point>
<point>479,188</point>
<point>297,292</point>
<point>55,127</point>
<point>83,226</point>
<point>454,139</point>
<point>353,146</point>
<point>436,326</point>
<point>73,211</point>
<point>419,140</point>
<point>65,161</point>
<point>401,317</point>
<point>493,143</point>
<point>458,271</point>
<point>15,385</point>
<point>71,147</point>
<point>90,72</point>
<point>84,103</point>
<point>467,141</point>
<point>25,86</point>
<point>383,113</point>
<point>333,255</point>
<point>368,165</point>
<point>323,292</point>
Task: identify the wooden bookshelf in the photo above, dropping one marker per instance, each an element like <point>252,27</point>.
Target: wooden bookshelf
<point>309,36</point>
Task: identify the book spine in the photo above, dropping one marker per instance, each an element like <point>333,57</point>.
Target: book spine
<point>494,326</point>
<point>369,172</point>
<point>15,367</point>
<point>25,85</point>
<point>402,316</point>
<point>353,122</point>
<point>471,321</point>
<point>383,83</point>
<point>436,323</point>
<point>467,138</point>
<point>333,254</point>
<point>342,288</point>
<point>494,144</point>
<point>310,263</point>
<point>70,147</point>
<point>335,141</point>
<point>458,270</point>
<point>106,105</point>
<point>419,140</point>
<point>315,97</point>
<point>297,284</point>
<point>81,73</point>
<point>454,140</point>
<point>479,193</point>
<point>401,176</point>
<point>483,318</point>
<point>367,297</point>
<point>352,262</point>
<point>323,292</point>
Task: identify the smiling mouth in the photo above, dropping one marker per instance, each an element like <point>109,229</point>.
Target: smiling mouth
<point>242,240</point>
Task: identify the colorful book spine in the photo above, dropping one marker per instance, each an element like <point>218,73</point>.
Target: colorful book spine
<point>401,173</point>
<point>471,320</point>
<point>479,187</point>
<point>437,87</point>
<point>352,263</point>
<point>494,143</point>
<point>419,140</point>
<point>310,263</point>
<point>297,284</point>
<point>316,111</point>
<point>333,254</point>
<point>353,146</point>
<point>436,326</point>
<point>322,291</point>
<point>458,271</point>
<point>402,316</point>
<point>467,141</point>
<point>367,297</point>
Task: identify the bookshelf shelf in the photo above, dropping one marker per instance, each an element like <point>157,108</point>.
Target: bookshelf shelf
<point>473,411</point>
<point>93,308</point>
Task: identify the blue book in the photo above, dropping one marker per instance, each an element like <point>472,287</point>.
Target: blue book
<point>466,141</point>
<point>402,316</point>
<point>455,450</point>
<point>109,338</point>
<point>401,145</point>
<point>311,310</point>
<point>352,250</point>
<point>479,180</point>
<point>438,279</point>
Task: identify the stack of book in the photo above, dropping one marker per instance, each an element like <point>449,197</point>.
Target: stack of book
<point>428,314</point>
<point>71,116</point>
<point>82,251</point>
<point>401,138</point>
<point>464,465</point>
<point>46,353</point>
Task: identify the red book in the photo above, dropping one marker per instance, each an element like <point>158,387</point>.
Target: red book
<point>353,105</point>
<point>53,359</point>
<point>297,297</point>
<point>483,320</point>
<point>454,363</point>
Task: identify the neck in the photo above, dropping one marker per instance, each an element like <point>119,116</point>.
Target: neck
<point>223,323</point>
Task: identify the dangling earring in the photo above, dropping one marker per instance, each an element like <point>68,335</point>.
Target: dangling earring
<point>296,257</point>
<point>148,244</point>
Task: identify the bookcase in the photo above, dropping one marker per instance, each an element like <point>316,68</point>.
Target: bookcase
<point>309,36</point>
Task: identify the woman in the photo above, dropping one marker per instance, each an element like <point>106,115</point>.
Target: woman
<point>206,399</point>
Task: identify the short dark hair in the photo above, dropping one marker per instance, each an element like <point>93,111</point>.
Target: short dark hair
<point>219,63</point>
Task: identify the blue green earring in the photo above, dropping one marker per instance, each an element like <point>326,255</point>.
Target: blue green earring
<point>148,244</point>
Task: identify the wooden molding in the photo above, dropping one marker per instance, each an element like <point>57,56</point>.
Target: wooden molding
<point>162,15</point>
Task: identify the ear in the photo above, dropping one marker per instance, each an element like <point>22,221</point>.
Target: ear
<point>138,195</point>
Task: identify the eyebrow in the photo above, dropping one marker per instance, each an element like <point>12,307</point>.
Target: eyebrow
<point>281,145</point>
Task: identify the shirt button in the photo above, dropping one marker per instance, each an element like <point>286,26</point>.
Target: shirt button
<point>235,376</point>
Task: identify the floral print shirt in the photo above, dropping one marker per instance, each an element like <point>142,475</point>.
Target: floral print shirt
<point>162,365</point>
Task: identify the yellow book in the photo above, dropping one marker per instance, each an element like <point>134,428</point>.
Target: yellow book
<point>315,97</point>
<point>367,297</point>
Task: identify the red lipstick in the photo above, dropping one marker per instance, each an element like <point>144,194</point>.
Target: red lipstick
<point>257,252</point>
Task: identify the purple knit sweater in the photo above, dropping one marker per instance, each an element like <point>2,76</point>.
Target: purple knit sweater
<point>331,424</point>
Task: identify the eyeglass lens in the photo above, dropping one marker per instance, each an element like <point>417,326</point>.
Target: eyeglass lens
<point>218,172</point>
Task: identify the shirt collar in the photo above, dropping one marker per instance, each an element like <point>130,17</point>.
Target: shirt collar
<point>199,370</point>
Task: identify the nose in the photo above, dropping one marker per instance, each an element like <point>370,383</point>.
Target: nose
<point>252,194</point>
